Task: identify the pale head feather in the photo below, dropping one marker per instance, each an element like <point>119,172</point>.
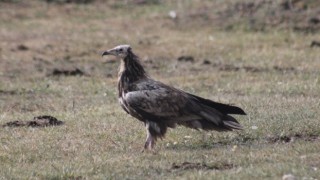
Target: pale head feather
<point>118,51</point>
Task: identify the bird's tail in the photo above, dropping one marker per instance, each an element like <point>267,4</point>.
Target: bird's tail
<point>227,125</point>
<point>219,121</point>
<point>212,119</point>
<point>231,123</point>
<point>223,108</point>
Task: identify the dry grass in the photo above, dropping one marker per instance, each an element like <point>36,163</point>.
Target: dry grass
<point>273,75</point>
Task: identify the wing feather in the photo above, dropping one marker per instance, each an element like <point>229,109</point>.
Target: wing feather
<point>157,102</point>
<point>164,104</point>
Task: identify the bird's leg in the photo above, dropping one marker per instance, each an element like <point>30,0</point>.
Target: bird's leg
<point>150,141</point>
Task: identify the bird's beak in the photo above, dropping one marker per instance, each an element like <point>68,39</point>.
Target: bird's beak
<point>109,52</point>
<point>106,53</point>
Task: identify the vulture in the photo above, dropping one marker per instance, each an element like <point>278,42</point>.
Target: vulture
<point>160,106</point>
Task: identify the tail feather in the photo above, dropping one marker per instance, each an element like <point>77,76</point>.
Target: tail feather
<point>208,125</point>
<point>231,122</point>
<point>211,119</point>
<point>223,108</point>
<point>204,124</point>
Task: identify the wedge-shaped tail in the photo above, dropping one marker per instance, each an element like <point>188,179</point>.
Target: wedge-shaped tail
<point>223,108</point>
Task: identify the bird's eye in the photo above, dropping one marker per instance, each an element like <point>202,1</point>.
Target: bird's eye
<point>120,50</point>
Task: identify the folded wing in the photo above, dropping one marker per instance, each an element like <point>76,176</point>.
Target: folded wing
<point>165,106</point>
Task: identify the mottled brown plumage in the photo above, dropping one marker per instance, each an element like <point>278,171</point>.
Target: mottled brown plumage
<point>160,106</point>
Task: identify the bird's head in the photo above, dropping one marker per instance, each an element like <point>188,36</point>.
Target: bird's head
<point>120,51</point>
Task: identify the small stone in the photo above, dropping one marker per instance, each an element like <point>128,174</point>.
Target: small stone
<point>288,177</point>
<point>173,14</point>
<point>234,148</point>
<point>175,143</point>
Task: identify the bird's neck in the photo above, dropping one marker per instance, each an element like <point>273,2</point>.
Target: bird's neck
<point>130,71</point>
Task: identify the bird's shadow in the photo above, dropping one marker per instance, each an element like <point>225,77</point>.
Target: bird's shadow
<point>207,145</point>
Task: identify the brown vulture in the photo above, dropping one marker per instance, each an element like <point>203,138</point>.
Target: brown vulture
<point>160,106</point>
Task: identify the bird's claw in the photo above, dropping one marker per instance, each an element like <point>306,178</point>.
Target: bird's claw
<point>148,147</point>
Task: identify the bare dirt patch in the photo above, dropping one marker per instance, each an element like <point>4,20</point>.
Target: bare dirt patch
<point>206,62</point>
<point>186,59</point>
<point>260,15</point>
<point>231,67</point>
<point>252,69</point>
<point>9,92</point>
<point>39,121</point>
<point>298,15</point>
<point>15,92</point>
<point>271,139</point>
<point>67,72</point>
<point>284,69</point>
<point>315,44</point>
<point>22,47</point>
<point>292,138</point>
<point>201,166</point>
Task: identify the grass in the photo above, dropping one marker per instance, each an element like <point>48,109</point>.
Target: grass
<point>273,75</point>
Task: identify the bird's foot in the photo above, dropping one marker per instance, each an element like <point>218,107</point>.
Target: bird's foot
<point>149,145</point>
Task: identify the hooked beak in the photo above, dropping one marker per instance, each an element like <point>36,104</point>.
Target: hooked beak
<point>109,52</point>
<point>106,53</point>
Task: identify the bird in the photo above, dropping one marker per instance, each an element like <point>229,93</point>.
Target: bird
<point>160,106</point>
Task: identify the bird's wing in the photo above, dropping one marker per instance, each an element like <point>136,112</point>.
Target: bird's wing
<point>159,100</point>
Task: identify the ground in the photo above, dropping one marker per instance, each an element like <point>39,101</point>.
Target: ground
<point>51,64</point>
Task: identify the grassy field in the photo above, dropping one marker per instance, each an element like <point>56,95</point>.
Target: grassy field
<point>271,72</point>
